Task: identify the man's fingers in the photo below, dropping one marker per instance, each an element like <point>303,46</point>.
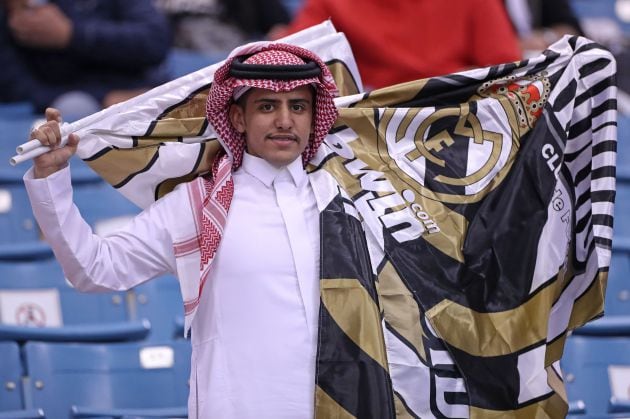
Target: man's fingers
<point>73,142</point>
<point>53,114</point>
<point>49,134</point>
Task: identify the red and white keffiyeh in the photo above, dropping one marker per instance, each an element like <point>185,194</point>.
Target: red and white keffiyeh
<point>211,196</point>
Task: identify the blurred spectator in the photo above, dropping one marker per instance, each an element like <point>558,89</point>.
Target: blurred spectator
<point>403,40</point>
<point>540,23</point>
<point>80,55</point>
<point>215,27</point>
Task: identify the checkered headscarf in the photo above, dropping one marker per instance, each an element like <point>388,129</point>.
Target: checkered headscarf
<point>217,190</point>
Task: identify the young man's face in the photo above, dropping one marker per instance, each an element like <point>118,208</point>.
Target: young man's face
<point>277,125</point>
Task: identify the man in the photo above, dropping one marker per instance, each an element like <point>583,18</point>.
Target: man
<point>248,236</point>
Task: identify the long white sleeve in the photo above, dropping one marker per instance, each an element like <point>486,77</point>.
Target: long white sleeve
<point>142,250</point>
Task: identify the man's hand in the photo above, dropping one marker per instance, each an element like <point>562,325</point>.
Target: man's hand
<point>49,134</point>
<point>43,26</point>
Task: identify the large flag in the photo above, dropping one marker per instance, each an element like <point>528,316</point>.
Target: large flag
<point>476,211</point>
<point>487,200</point>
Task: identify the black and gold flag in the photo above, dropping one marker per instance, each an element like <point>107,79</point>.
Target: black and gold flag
<point>470,232</point>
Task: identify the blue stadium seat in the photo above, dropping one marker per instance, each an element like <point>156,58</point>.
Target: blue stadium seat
<point>11,110</point>
<point>623,148</point>
<point>16,218</point>
<point>57,312</point>
<point>108,380</point>
<point>11,393</point>
<point>11,373</point>
<point>160,302</point>
<point>618,288</point>
<point>599,8</point>
<point>182,61</point>
<point>622,209</point>
<point>609,326</point>
<point>23,414</point>
<point>16,128</point>
<point>20,236</point>
<point>103,207</point>
<point>587,376</point>
<point>15,131</point>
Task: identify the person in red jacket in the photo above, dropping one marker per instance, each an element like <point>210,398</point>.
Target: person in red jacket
<point>403,40</point>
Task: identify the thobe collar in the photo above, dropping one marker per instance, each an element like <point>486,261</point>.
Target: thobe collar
<point>265,172</point>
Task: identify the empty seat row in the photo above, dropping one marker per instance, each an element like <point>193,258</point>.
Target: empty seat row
<point>70,380</point>
<point>596,372</point>
<point>37,303</point>
<point>101,205</point>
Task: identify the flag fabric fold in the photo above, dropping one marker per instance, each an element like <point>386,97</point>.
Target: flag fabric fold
<point>466,223</point>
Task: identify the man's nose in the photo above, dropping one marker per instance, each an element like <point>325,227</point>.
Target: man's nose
<point>284,118</point>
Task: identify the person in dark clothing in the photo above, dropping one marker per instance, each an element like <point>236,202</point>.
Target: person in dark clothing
<point>85,54</point>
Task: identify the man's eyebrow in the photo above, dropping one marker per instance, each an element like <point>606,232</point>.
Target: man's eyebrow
<point>264,99</point>
<point>271,100</point>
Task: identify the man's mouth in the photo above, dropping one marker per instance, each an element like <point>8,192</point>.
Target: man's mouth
<point>283,137</point>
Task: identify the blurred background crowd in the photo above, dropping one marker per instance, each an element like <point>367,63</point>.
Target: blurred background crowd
<point>80,56</point>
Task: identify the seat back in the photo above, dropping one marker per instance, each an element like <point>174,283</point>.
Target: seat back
<point>623,147</point>
<point>11,397</point>
<point>594,368</point>
<point>160,302</point>
<point>107,376</point>
<point>622,208</point>
<point>17,222</point>
<point>37,284</point>
<point>618,288</point>
<point>103,207</point>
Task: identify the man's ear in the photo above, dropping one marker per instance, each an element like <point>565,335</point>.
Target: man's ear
<point>237,117</point>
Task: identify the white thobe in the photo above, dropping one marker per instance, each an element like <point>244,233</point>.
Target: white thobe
<point>254,334</point>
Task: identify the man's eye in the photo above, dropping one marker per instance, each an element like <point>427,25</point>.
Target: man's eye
<point>266,107</point>
<point>298,107</point>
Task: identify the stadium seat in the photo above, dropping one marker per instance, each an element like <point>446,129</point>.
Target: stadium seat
<point>20,234</point>
<point>618,288</point>
<point>599,9</point>
<point>21,238</point>
<point>182,61</point>
<point>11,110</point>
<point>606,326</point>
<point>37,303</point>
<point>622,209</point>
<point>11,393</point>
<point>160,302</point>
<point>23,414</point>
<point>596,372</point>
<point>623,148</point>
<point>108,380</point>
<point>103,207</point>
<point>11,377</point>
<point>15,131</point>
